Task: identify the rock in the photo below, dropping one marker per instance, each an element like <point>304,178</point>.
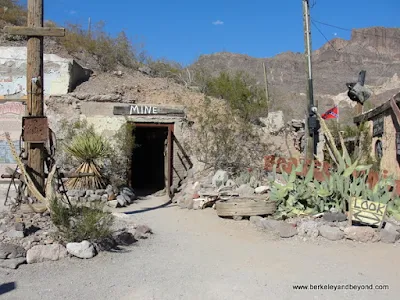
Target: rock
<point>331,233</point>
<point>104,198</point>
<point>89,193</point>
<point>126,191</point>
<point>42,253</point>
<point>105,244</point>
<point>9,251</point>
<point>389,236</point>
<point>334,217</point>
<point>19,226</point>
<point>237,218</point>
<point>274,122</point>
<point>113,203</point>
<point>196,187</point>
<point>256,220</point>
<point>127,198</point>
<point>14,234</point>
<point>220,178</point>
<point>361,234</point>
<point>100,192</point>
<point>286,230</point>
<point>111,196</point>
<point>245,190</point>
<point>109,189</point>
<point>308,228</point>
<point>72,193</point>
<point>198,203</point>
<point>146,70</point>
<point>261,189</point>
<point>121,200</point>
<point>12,263</point>
<point>392,227</point>
<point>124,238</point>
<point>94,197</point>
<point>83,249</point>
<point>142,232</point>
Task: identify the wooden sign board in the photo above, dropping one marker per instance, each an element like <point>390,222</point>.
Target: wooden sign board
<point>367,212</point>
<point>378,127</point>
<point>148,110</point>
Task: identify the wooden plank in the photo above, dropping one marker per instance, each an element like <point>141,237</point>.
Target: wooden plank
<point>35,31</point>
<point>376,111</point>
<point>148,110</point>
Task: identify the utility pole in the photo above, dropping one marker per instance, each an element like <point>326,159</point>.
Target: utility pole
<point>34,81</point>
<point>312,121</point>
<point>266,87</point>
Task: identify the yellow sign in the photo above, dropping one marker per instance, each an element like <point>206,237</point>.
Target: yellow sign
<point>368,212</point>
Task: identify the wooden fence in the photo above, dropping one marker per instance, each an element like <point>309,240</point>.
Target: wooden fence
<point>321,170</point>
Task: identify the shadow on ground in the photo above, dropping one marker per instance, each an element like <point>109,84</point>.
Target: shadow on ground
<point>7,287</point>
<point>165,205</point>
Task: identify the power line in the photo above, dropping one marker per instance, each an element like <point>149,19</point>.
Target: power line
<point>351,30</point>
<point>330,43</point>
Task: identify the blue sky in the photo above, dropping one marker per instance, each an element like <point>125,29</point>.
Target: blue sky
<point>181,30</point>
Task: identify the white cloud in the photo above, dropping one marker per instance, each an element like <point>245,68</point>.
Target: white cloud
<point>218,22</point>
<point>72,12</point>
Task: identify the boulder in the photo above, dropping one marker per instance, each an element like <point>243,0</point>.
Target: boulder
<point>142,232</point>
<point>256,220</point>
<point>94,197</point>
<point>331,233</point>
<point>41,253</point>
<point>9,251</point>
<point>230,183</point>
<point>392,227</point>
<point>100,192</point>
<point>334,217</point>
<point>308,228</point>
<point>121,200</point>
<point>361,234</point>
<point>113,203</point>
<point>245,190</point>
<point>128,199</point>
<point>12,263</point>
<point>15,234</point>
<point>220,178</point>
<point>262,189</point>
<point>124,238</point>
<point>389,236</point>
<point>83,249</point>
<point>129,192</point>
<point>285,230</point>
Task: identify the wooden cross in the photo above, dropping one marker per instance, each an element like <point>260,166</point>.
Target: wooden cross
<point>34,87</point>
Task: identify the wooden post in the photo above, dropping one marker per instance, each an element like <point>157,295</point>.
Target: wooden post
<point>34,88</point>
<point>35,83</point>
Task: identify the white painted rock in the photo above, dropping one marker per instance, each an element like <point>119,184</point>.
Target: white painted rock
<point>220,178</point>
<point>83,249</point>
<point>261,189</point>
<point>41,253</point>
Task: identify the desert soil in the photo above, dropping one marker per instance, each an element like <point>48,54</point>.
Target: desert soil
<point>196,255</point>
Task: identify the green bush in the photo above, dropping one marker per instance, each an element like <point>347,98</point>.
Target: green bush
<point>77,223</point>
<point>12,12</point>
<point>241,93</point>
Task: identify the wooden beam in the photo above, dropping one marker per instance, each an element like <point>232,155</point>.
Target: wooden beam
<point>376,111</point>
<point>38,31</point>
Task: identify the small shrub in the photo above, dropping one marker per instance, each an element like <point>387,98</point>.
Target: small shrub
<point>77,223</point>
<point>12,12</point>
<point>89,149</point>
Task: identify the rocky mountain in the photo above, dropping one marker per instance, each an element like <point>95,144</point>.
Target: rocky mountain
<point>376,50</point>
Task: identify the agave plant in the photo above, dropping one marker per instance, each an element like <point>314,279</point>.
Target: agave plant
<point>89,149</point>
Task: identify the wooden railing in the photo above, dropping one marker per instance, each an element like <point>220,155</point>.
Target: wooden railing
<point>321,170</point>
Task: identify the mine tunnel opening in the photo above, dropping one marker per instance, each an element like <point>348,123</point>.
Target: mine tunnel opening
<point>149,169</point>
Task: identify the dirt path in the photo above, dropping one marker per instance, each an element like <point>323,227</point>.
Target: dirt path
<point>196,255</point>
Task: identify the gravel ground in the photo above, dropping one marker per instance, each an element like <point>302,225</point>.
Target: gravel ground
<point>196,255</point>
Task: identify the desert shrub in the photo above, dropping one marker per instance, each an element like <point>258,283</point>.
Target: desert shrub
<point>76,223</point>
<point>118,166</point>
<point>241,93</point>
<point>109,51</point>
<point>12,12</point>
<point>221,139</point>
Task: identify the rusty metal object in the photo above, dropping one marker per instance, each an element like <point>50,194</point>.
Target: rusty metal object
<point>35,129</point>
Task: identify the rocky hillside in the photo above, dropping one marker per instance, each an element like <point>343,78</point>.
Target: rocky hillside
<point>376,50</point>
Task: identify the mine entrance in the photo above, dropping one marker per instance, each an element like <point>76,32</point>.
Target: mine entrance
<point>151,168</point>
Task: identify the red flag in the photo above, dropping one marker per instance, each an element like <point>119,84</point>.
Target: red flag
<point>333,113</point>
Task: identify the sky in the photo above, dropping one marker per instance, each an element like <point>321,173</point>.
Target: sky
<point>182,30</point>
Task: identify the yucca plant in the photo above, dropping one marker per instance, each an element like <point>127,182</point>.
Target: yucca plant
<point>89,149</point>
